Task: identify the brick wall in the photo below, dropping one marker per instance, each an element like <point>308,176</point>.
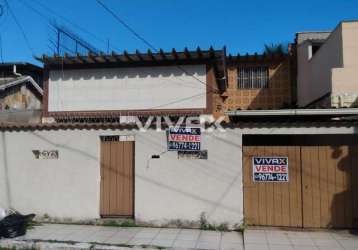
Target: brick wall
<point>277,95</point>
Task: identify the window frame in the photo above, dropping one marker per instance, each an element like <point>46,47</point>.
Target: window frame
<point>254,84</point>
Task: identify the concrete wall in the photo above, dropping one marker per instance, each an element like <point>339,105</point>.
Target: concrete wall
<point>301,37</point>
<point>61,188</point>
<point>165,189</point>
<point>334,68</point>
<point>276,96</point>
<point>350,45</point>
<point>345,79</point>
<point>127,88</point>
<point>21,116</point>
<point>314,74</point>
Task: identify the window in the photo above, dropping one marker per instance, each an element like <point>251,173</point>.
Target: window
<point>315,48</point>
<point>253,77</point>
<point>312,49</point>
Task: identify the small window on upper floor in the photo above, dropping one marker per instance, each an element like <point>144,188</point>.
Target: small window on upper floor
<point>253,77</point>
<point>312,49</point>
<point>315,48</point>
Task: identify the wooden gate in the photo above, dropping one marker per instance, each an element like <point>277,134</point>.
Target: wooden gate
<point>329,183</point>
<point>277,204</point>
<point>322,191</point>
<point>117,177</point>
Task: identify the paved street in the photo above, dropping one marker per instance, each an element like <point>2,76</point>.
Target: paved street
<point>169,238</point>
<point>296,240</point>
<point>137,236</point>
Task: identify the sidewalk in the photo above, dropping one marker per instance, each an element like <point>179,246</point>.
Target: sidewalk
<point>274,239</point>
<point>128,237</point>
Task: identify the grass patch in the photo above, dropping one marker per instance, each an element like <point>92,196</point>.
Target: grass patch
<point>205,225</point>
<point>114,223</point>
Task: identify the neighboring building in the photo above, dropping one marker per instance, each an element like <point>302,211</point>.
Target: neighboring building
<point>142,84</point>
<point>256,82</point>
<point>20,92</point>
<point>327,65</point>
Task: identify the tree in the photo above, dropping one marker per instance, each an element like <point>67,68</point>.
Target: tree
<point>278,48</point>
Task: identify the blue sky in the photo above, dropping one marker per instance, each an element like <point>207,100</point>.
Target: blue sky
<point>243,26</point>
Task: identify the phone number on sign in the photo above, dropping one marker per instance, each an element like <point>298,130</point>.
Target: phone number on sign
<point>271,177</point>
<point>189,146</point>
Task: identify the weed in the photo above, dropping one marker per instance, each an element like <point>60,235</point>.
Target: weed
<point>203,221</point>
<point>114,223</point>
<point>241,227</point>
<point>128,223</point>
<point>110,223</point>
<point>205,225</point>
<point>222,227</point>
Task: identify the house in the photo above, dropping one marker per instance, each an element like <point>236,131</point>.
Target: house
<point>20,92</point>
<point>269,164</point>
<point>317,153</point>
<point>219,78</point>
<point>88,164</point>
<point>141,84</point>
<point>327,65</point>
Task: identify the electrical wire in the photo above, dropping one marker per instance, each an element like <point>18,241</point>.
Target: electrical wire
<point>145,41</point>
<point>1,55</point>
<point>64,19</point>
<point>20,28</point>
<point>180,100</point>
<point>127,27</point>
<point>3,12</point>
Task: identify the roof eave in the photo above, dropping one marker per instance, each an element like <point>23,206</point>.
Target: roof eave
<point>293,112</point>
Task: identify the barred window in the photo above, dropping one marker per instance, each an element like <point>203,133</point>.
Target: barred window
<point>253,77</point>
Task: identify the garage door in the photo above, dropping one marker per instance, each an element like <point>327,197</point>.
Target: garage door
<point>320,191</point>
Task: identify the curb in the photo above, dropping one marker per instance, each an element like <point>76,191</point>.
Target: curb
<point>29,245</point>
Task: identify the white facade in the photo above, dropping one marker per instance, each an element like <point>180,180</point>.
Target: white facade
<point>166,189</point>
<point>332,70</point>
<point>141,88</point>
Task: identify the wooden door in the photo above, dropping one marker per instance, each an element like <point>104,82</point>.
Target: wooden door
<point>273,204</point>
<point>117,177</point>
<point>329,179</point>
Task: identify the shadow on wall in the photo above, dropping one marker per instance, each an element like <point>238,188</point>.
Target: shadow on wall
<point>277,95</point>
<point>231,176</point>
<point>122,73</point>
<point>344,206</point>
<point>8,201</point>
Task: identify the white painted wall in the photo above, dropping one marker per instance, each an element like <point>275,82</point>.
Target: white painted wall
<point>165,189</point>
<point>127,88</point>
<point>314,74</point>
<point>60,188</point>
<point>350,45</point>
<point>170,188</point>
<point>332,69</point>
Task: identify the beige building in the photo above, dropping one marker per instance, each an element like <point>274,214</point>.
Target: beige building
<point>327,65</point>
